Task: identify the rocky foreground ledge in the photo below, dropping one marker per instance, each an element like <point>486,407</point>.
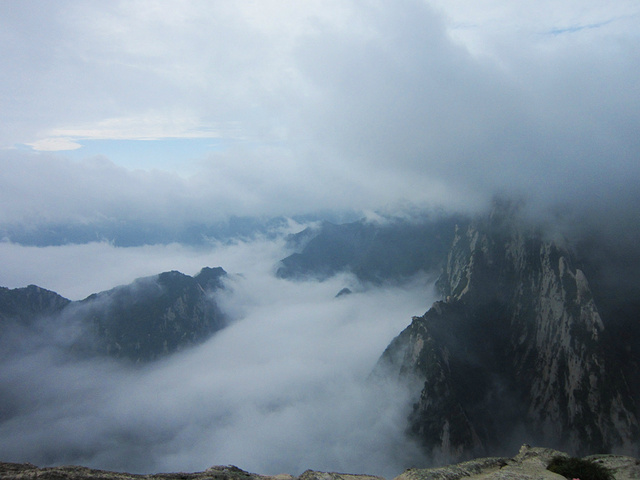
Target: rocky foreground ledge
<point>529,464</point>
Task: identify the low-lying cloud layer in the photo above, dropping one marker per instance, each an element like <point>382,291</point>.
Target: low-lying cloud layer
<point>282,389</point>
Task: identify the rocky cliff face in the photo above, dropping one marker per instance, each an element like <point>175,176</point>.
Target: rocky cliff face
<point>529,464</point>
<point>514,353</point>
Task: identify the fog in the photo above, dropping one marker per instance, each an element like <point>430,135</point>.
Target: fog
<point>284,388</point>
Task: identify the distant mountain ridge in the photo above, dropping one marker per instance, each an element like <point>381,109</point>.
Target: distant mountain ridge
<point>375,252</point>
<point>137,232</point>
<point>145,320</point>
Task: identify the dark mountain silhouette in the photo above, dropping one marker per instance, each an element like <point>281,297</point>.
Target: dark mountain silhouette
<point>145,320</point>
<point>375,252</point>
<point>24,305</point>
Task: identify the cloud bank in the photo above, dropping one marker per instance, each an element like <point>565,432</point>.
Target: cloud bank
<point>326,105</point>
<point>283,389</point>
<point>76,271</point>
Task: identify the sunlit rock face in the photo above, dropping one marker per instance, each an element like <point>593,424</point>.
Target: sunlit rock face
<point>514,352</point>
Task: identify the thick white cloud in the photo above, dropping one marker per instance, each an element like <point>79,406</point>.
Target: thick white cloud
<point>322,105</point>
<point>547,119</point>
<point>145,69</point>
<point>284,388</point>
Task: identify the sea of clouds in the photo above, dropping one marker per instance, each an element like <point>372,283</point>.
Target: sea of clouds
<point>285,387</point>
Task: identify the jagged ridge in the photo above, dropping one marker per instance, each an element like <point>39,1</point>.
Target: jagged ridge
<point>149,318</point>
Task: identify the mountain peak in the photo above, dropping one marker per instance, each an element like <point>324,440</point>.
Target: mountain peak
<point>144,320</point>
<point>28,303</point>
<point>210,278</point>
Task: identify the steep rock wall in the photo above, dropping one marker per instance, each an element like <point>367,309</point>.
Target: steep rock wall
<point>514,353</point>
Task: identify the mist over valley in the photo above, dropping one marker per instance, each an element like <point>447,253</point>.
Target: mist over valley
<point>283,387</point>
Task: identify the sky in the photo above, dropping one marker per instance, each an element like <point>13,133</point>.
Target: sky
<point>167,114</point>
<point>199,110</point>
